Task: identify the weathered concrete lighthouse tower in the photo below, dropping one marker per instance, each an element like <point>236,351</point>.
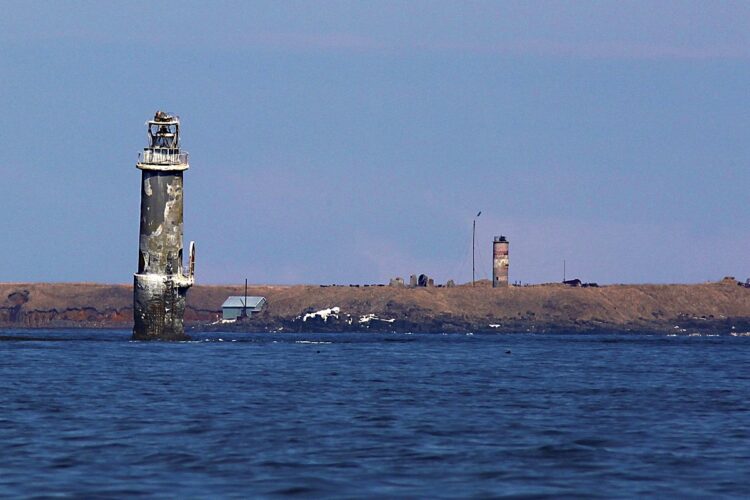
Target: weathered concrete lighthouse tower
<point>161,283</point>
<point>500,262</point>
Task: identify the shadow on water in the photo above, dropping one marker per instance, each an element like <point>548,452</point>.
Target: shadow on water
<point>109,336</point>
<point>65,335</point>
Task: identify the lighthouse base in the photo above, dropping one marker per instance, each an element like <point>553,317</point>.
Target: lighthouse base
<point>159,307</point>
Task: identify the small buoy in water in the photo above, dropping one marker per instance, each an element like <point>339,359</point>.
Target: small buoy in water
<point>507,352</point>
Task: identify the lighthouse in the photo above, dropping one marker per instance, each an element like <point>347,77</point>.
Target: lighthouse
<point>500,262</point>
<point>161,283</point>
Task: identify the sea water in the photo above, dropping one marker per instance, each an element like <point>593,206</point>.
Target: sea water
<point>92,414</point>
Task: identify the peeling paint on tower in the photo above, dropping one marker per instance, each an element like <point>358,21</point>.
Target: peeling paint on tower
<point>161,283</point>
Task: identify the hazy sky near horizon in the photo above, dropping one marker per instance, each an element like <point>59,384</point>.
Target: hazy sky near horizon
<point>350,142</point>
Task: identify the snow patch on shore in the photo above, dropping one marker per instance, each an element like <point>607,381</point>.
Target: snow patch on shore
<point>224,321</point>
<point>369,317</point>
<point>323,313</point>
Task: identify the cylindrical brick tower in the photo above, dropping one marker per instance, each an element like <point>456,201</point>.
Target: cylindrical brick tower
<point>161,283</point>
<point>500,262</point>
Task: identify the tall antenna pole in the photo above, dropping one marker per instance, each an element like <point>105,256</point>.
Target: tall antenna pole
<point>563,270</point>
<point>473,245</point>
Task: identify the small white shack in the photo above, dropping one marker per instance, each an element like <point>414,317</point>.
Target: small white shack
<point>233,306</point>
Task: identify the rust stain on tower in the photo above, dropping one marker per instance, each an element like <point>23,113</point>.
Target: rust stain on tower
<point>500,262</point>
<point>161,283</point>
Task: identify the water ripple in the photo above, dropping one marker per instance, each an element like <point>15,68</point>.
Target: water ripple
<point>90,414</point>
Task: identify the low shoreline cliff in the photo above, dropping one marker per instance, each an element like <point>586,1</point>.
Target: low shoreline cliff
<point>722,307</point>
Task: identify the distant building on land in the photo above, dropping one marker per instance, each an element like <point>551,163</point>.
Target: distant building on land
<point>397,281</point>
<point>500,262</point>
<point>233,306</point>
<point>576,282</point>
<point>421,281</point>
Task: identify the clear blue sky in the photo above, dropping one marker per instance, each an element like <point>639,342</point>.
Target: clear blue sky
<point>354,141</point>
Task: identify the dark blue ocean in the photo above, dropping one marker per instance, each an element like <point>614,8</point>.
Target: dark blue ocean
<point>91,414</point>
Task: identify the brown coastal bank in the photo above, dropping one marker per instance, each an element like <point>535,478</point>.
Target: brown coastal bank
<point>721,307</point>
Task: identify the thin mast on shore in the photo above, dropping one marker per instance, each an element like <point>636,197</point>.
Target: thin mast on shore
<point>473,246</point>
<point>244,302</point>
